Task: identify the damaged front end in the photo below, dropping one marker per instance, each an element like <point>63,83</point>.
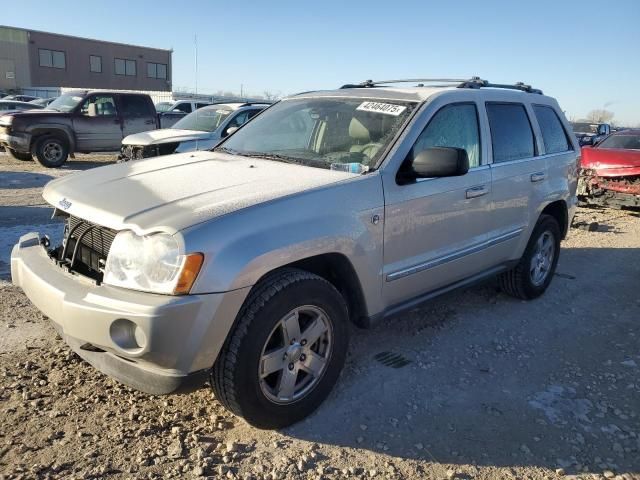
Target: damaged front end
<point>138,152</point>
<point>606,189</point>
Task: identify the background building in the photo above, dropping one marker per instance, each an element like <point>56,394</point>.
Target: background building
<point>33,59</point>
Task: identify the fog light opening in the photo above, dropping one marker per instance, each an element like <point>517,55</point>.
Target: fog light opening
<point>127,335</point>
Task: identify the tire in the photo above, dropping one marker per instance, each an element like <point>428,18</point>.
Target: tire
<point>51,151</point>
<point>523,280</point>
<point>240,377</point>
<point>25,157</point>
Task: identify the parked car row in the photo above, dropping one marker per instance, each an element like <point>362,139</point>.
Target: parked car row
<point>103,121</point>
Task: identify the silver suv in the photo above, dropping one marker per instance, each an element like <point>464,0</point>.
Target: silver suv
<point>245,264</point>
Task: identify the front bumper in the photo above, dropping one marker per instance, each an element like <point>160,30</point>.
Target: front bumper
<point>155,343</point>
<point>17,142</point>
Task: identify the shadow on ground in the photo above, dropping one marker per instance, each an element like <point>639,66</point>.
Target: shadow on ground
<point>552,382</point>
<point>20,180</point>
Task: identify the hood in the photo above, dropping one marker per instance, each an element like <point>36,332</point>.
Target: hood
<point>39,111</point>
<point>611,162</point>
<point>165,135</point>
<point>172,192</point>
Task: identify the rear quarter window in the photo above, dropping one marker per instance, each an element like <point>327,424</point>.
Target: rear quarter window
<point>553,133</point>
<point>511,133</point>
<point>135,106</point>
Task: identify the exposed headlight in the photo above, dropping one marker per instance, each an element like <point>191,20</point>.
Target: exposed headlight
<point>6,120</point>
<point>151,263</point>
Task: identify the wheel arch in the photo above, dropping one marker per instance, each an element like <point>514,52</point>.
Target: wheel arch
<point>338,270</point>
<point>58,130</point>
<point>558,210</point>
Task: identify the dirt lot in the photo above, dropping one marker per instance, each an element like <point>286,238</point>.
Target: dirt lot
<point>495,387</point>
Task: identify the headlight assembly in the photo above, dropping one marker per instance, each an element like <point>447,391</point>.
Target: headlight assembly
<point>150,263</point>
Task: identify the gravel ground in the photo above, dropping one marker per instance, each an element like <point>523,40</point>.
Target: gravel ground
<point>492,387</point>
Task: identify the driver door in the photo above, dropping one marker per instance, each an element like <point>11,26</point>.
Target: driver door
<point>97,124</point>
<point>436,228</point>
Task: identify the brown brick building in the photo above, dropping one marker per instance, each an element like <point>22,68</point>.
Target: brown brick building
<point>32,59</point>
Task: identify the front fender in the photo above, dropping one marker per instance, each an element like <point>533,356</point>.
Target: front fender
<point>241,247</point>
<point>37,129</point>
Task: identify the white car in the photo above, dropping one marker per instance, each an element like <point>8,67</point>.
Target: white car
<point>200,130</point>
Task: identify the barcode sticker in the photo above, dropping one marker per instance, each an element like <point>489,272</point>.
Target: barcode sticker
<point>386,108</point>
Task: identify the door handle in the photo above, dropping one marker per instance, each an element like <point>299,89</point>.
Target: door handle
<point>150,122</point>
<point>538,176</point>
<point>478,191</point>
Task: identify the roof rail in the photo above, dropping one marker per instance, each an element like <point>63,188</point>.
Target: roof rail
<point>262,102</point>
<point>473,82</point>
<point>477,82</point>
<point>371,83</point>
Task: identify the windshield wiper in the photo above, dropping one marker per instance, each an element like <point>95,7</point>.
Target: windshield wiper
<point>228,150</point>
<point>278,157</point>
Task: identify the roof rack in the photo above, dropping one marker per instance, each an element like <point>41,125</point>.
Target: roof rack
<point>372,84</point>
<point>262,102</point>
<point>477,82</point>
<point>473,82</point>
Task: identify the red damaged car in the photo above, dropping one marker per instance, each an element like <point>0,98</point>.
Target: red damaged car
<point>610,171</point>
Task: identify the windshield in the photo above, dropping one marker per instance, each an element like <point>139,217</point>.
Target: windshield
<point>163,106</point>
<point>204,119</point>
<point>585,128</point>
<point>625,142</point>
<point>348,134</point>
<point>66,102</point>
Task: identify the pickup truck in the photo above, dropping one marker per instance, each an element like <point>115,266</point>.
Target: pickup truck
<point>78,121</point>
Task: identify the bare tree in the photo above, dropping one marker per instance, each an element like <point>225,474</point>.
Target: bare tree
<point>600,116</point>
<point>268,95</point>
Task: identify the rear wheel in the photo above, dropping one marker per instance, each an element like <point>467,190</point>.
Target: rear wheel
<point>25,157</point>
<point>51,151</point>
<point>533,274</point>
<point>286,351</point>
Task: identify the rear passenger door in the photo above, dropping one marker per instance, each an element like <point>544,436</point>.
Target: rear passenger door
<point>519,174</point>
<point>138,114</point>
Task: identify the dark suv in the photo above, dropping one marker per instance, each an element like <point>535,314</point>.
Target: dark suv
<point>79,121</point>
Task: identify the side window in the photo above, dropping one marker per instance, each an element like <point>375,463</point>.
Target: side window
<point>200,105</point>
<point>511,134</point>
<point>134,106</point>
<point>456,126</point>
<point>184,107</point>
<point>99,106</point>
<point>239,119</point>
<point>553,133</point>
<point>253,113</point>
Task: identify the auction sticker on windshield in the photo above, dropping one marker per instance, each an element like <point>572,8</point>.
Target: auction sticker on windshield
<point>386,108</point>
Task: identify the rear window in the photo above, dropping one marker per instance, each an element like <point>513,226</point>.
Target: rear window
<point>553,134</point>
<point>134,106</point>
<point>511,134</point>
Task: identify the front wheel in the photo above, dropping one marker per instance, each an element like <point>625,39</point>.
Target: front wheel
<point>285,352</point>
<point>51,151</point>
<point>533,274</point>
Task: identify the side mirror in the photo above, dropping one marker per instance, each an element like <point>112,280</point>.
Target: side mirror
<point>440,162</point>
<point>604,129</point>
<point>229,131</point>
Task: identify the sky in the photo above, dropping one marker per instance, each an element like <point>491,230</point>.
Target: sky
<point>584,53</point>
